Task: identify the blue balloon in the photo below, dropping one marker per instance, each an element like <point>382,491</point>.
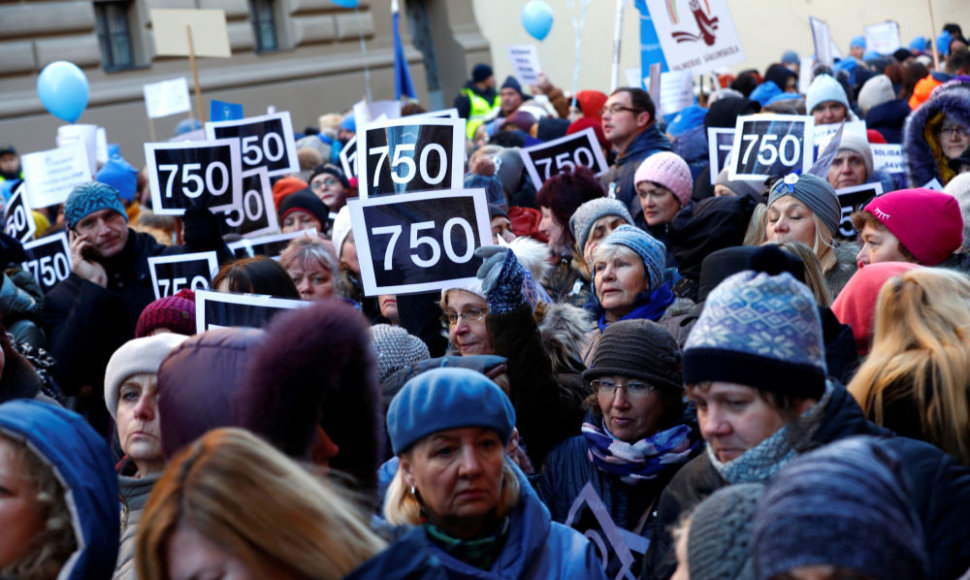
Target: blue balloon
<point>346,3</point>
<point>63,89</point>
<point>537,19</point>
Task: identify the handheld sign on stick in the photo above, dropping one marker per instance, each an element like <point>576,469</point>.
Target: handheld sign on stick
<point>194,172</point>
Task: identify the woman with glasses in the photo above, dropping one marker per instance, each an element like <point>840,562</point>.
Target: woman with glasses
<point>936,132</point>
<point>636,435</point>
<point>331,186</point>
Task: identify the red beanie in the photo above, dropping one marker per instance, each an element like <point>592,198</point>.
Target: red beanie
<point>927,222</point>
<point>856,303</point>
<point>585,123</point>
<point>591,103</point>
<point>176,313</point>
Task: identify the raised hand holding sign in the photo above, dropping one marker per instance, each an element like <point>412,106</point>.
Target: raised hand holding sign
<point>195,172</point>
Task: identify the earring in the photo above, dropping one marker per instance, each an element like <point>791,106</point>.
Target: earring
<point>412,490</point>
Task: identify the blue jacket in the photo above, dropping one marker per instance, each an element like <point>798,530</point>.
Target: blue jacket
<point>620,176</point>
<point>407,558</point>
<point>83,461</point>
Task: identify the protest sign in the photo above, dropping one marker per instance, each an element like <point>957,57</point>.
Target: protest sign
<point>264,141</point>
<point>853,199</point>
<point>256,214</point>
<point>553,157</point>
<point>619,550</point>
<point>361,113</point>
<point>933,184</point>
<point>210,37</point>
<point>676,91</point>
<point>822,132</point>
<point>173,273</point>
<point>167,98</point>
<point>221,309</point>
<point>386,109</point>
<point>883,37</point>
<point>207,173</point>
<point>49,260</point>
<point>451,113</point>
<point>888,158</point>
<point>18,220</point>
<point>771,145</point>
<point>696,37</point>
<point>101,148</point>
<point>822,39</point>
<point>419,242</point>
<point>719,144</point>
<point>805,74</point>
<point>633,78</point>
<point>51,175</point>
<point>271,246</point>
<point>525,63</point>
<point>403,156</point>
<point>86,136</point>
<point>348,157</point>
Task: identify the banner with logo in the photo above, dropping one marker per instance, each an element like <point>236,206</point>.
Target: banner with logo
<point>696,35</point>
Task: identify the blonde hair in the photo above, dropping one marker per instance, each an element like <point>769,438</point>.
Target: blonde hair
<point>757,230</point>
<point>403,508</point>
<point>921,355</point>
<point>823,243</point>
<point>814,278</point>
<point>252,501</point>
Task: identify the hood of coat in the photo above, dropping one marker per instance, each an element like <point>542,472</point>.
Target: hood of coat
<point>953,99</point>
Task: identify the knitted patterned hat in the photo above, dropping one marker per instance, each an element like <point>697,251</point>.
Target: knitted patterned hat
<point>719,541</point>
<point>396,349</point>
<point>137,356</point>
<point>761,331</point>
<point>586,215</point>
<point>88,198</point>
<point>640,349</point>
<point>176,313</point>
<point>814,192</point>
<point>824,89</point>
<point>668,170</point>
<point>651,251</point>
<point>928,223</point>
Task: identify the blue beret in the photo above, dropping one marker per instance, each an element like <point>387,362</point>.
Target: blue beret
<point>447,398</point>
<point>90,197</point>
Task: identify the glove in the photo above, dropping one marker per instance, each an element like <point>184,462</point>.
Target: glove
<point>11,250</point>
<point>502,277</point>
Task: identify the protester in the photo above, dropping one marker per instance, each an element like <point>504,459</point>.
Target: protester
<point>259,275</point>
<point>329,183</point>
<point>853,163</point>
<point>856,304</point>
<point>10,169</point>
<point>882,109</point>
<point>935,133</point>
<point>312,267</point>
<point>664,184</point>
<point>478,99</point>
<point>826,101</point>
<point>303,210</point>
<point>590,224</point>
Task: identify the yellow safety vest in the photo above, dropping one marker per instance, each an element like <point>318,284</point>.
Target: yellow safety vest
<point>480,109</point>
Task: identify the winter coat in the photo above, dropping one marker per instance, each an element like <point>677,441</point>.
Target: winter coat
<point>408,558</point>
<point>566,284</point>
<point>618,181</point>
<point>845,267</point>
<point>82,461</point>
<point>134,495</point>
<point>889,119</point>
<point>924,160</point>
<point>21,306</point>
<point>536,548</point>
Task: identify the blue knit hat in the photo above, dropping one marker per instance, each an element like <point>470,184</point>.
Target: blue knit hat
<point>447,398</point>
<point>349,124</point>
<point>90,197</point>
<point>120,175</point>
<point>859,41</point>
<point>762,331</point>
<point>790,57</point>
<point>651,251</point>
<point>822,90</point>
<point>918,43</point>
<point>816,193</point>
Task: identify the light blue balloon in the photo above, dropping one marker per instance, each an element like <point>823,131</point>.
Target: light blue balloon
<point>537,19</point>
<point>63,89</point>
<point>346,3</point>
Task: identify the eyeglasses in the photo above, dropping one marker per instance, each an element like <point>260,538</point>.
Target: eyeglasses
<point>614,109</point>
<point>468,315</point>
<point>634,389</point>
<point>953,131</point>
<point>329,181</point>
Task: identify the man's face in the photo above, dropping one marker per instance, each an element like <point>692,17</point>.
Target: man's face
<point>857,51</point>
<point>511,99</point>
<point>106,230</point>
<point>9,163</point>
<point>621,122</point>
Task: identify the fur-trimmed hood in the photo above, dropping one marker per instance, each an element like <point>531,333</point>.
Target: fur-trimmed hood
<point>564,329</point>
<point>921,150</point>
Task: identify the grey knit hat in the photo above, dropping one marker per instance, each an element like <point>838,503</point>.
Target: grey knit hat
<point>752,188</point>
<point>814,192</point>
<point>396,349</point>
<point>719,541</point>
<point>640,349</point>
<point>586,215</point>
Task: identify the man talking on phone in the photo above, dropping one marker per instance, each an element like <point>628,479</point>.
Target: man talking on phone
<point>94,311</point>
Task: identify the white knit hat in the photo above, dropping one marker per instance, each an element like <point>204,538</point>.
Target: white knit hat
<point>341,229</point>
<point>141,355</point>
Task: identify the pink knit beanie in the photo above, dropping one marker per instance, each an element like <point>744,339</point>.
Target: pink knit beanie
<point>927,222</point>
<point>668,170</point>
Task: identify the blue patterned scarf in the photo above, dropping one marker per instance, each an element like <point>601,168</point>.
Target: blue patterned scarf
<point>643,460</point>
<point>652,306</point>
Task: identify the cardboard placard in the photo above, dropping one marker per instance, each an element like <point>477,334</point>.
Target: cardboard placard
<point>719,144</point>
<point>553,157</point>
<point>51,175</point>
<point>18,219</point>
<point>451,113</point>
<point>822,132</point>
<point>883,37</point>
<point>419,242</point>
<point>822,39</point>
<point>525,63</point>
<point>404,156</point>
<point>853,199</point>
<point>771,145</point>
<point>167,98</point>
<point>173,273</point>
<point>210,37</point>
<point>270,246</point>
<point>348,157</point>
<point>264,141</point>
<point>223,310</point>
<point>195,172</point>
<point>696,36</point>
<point>888,158</point>
<point>49,260</point>
<point>86,136</point>
<point>256,214</point>
<point>676,92</point>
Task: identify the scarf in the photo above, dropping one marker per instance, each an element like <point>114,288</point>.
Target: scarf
<point>763,461</point>
<point>652,306</point>
<point>480,552</point>
<point>643,460</point>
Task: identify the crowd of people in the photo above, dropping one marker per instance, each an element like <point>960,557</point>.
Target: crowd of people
<point>658,372</point>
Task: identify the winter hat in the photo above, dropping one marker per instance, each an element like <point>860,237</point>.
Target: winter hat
<point>509,169</point>
<point>90,197</point>
<point>586,215</point>
<point>137,356</point>
<point>304,200</point>
<point>720,537</point>
<point>492,185</point>
<point>752,188</point>
<point>520,120</point>
<point>120,175</point>
<point>943,40</point>
<point>764,92</point>
<point>687,119</point>
<point>330,169</point>
<point>176,313</point>
<point>512,83</point>
<point>846,505</point>
<point>341,229</point>
<point>589,122</point>
<point>591,103</point>
<point>187,126</point>
<point>928,223</point>
<point>719,265</point>
<point>779,74</point>
<point>551,128</point>
<point>790,57</point>
<point>856,303</point>
<point>759,330</point>
<point>481,72</point>
<point>447,398</point>
<point>639,349</point>
<point>396,349</point>
<point>668,170</point>
<point>285,187</point>
<point>724,112</point>
<point>349,124</point>
<point>855,142</point>
<point>918,44</point>
<point>651,251</point>
<point>814,192</point>
<point>824,89</point>
<point>858,41</point>
<point>959,187</point>
<point>877,91</point>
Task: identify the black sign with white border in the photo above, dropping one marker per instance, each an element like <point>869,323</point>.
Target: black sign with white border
<point>772,145</point>
<point>49,260</point>
<point>419,242</point>
<point>620,551</point>
<point>18,220</point>
<point>173,273</point>
<point>222,309</point>
<point>853,199</point>
<point>406,156</point>
<point>451,113</point>
<point>719,144</point>
<point>348,157</point>
<point>194,172</point>
<point>270,246</point>
<point>256,214</point>
<point>264,141</point>
<point>553,157</point>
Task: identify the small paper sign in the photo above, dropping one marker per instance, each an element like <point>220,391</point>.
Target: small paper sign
<point>170,274</point>
<point>84,135</point>
<point>883,37</point>
<point>223,310</point>
<point>52,174</point>
<point>676,92</point>
<point>771,145</point>
<point>525,63</point>
<point>167,98</point>
<point>853,199</point>
<point>822,39</point>
<point>210,37</point>
<point>49,260</point>
<point>888,158</point>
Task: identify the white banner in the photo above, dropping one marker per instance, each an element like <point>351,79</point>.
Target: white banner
<point>167,98</point>
<point>883,37</point>
<point>525,63</point>
<point>676,92</point>
<point>822,38</point>
<point>888,158</point>
<point>86,136</point>
<point>696,36</point>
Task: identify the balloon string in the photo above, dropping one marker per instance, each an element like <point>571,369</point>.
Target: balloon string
<point>363,50</point>
<point>579,43</point>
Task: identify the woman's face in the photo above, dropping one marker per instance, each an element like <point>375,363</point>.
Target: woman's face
<point>138,425</point>
<point>658,203</point>
<point>723,191</point>
<point>388,306</point>
<point>550,227</point>
<point>954,138</point>
<point>631,408</point>
<point>848,169</point>
<point>468,332</point>
<point>878,245</point>
<point>458,475</point>
<point>330,191</point>
<point>602,228</point>
<point>829,112</point>
<point>192,556</point>
<point>20,514</point>
<point>348,256</point>
<point>618,280</point>
<point>312,280</point>
<point>733,418</point>
<point>299,220</point>
<point>790,220</point>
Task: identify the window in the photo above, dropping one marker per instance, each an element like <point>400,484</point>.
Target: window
<point>264,25</point>
<point>114,35</point>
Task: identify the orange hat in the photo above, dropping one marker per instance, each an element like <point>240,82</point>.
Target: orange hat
<point>285,187</point>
